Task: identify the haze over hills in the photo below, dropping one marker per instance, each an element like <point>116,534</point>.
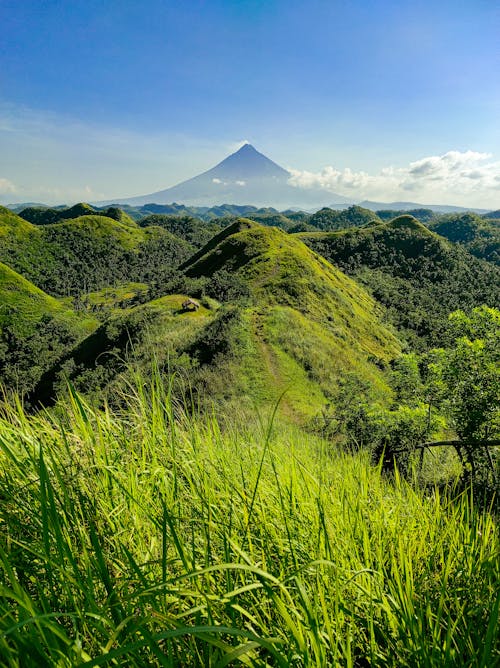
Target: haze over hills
<point>407,206</point>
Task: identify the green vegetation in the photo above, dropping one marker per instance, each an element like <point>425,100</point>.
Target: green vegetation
<point>109,301</point>
<point>155,539</point>
<point>479,235</point>
<point>423,215</point>
<point>47,216</point>
<point>329,219</point>
<point>89,253</point>
<point>195,231</point>
<point>234,463</point>
<point>417,275</point>
<point>35,331</point>
<point>290,322</point>
<point>463,381</point>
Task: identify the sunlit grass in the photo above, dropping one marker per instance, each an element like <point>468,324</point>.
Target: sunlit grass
<point>153,538</point>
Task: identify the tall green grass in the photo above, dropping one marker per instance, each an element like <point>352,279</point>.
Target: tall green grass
<point>149,538</point>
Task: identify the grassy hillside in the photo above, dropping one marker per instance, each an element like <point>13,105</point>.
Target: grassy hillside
<point>299,327</point>
<point>419,276</point>
<point>159,328</point>
<point>147,538</point>
<point>35,330</point>
<point>305,323</point>
<point>88,253</point>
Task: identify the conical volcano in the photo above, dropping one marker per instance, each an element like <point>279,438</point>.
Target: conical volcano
<point>244,177</point>
<point>247,163</point>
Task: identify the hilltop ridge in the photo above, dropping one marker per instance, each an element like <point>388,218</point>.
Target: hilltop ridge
<point>298,326</point>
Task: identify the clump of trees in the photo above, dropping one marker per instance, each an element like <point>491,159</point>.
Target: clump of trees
<point>448,396</point>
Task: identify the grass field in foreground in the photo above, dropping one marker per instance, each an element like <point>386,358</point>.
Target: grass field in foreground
<point>148,538</point>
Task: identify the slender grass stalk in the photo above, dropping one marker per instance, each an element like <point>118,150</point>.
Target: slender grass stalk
<point>148,537</point>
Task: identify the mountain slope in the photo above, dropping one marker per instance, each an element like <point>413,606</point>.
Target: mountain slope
<point>302,328</point>
<point>479,235</point>
<point>418,275</point>
<point>243,177</point>
<point>88,253</point>
<point>35,330</point>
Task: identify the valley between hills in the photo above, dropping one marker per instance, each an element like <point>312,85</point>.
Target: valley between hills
<point>212,429</point>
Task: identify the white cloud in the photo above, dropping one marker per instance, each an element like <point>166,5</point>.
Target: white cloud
<point>460,177</point>
<point>6,187</point>
<point>216,181</point>
<point>241,183</point>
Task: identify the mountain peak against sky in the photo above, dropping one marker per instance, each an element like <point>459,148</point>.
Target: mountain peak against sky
<point>247,161</point>
<point>244,177</point>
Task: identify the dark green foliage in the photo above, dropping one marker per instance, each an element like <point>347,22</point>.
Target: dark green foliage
<point>97,360</point>
<point>479,235</point>
<point>329,219</point>
<point>89,253</point>
<point>225,286</point>
<point>48,216</point>
<point>274,218</point>
<point>193,230</point>
<point>416,274</point>
<point>24,357</point>
<point>302,227</point>
<point>35,331</point>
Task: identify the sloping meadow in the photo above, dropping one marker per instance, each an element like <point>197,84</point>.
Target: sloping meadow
<point>152,538</point>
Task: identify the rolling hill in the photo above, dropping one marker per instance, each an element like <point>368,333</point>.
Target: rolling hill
<point>88,253</point>
<point>300,328</point>
<point>35,330</point>
<point>479,235</point>
<point>418,275</point>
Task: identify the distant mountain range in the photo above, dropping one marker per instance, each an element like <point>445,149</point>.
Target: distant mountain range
<point>409,206</point>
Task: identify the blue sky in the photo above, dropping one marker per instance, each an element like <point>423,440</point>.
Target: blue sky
<point>108,99</point>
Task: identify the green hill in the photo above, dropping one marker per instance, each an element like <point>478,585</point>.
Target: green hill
<point>479,235</point>
<point>301,328</point>
<point>35,330</point>
<point>193,230</point>
<point>160,328</point>
<point>46,216</point>
<point>418,275</point>
<point>89,253</point>
<point>330,219</point>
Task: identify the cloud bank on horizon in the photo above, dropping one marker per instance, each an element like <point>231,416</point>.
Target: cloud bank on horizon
<point>466,178</point>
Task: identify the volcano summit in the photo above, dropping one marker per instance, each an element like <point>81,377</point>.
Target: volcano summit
<point>244,177</point>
